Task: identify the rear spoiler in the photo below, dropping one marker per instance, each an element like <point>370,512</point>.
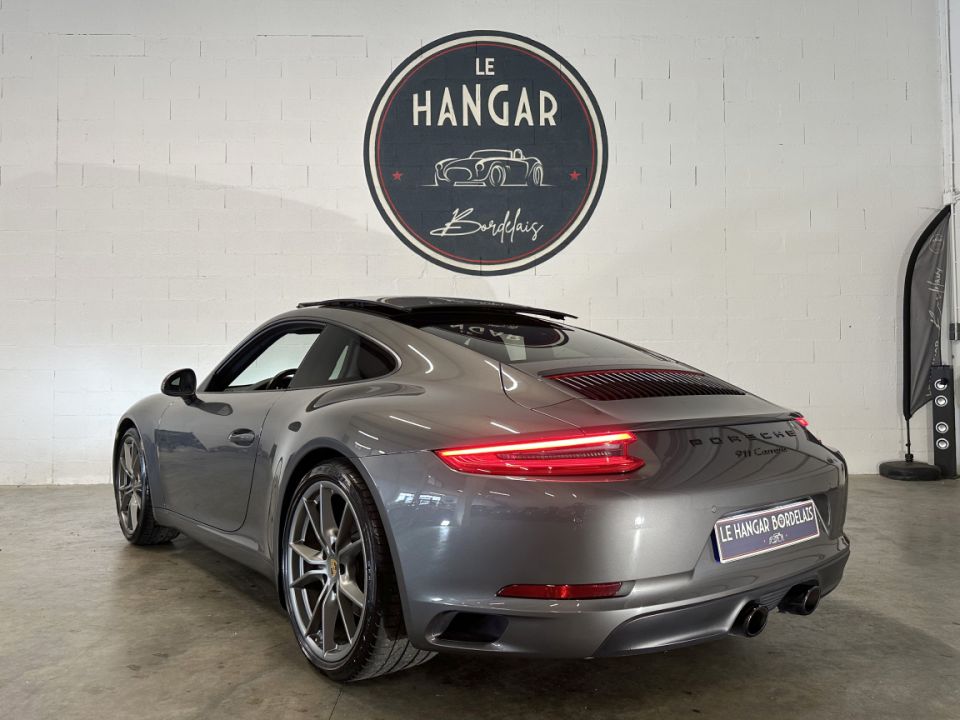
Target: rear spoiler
<point>448,305</point>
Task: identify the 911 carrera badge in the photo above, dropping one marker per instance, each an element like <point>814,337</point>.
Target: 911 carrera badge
<point>485,152</point>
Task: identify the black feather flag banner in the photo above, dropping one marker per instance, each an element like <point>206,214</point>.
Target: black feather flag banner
<point>923,293</point>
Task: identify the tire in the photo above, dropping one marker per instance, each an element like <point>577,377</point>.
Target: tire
<point>497,176</point>
<point>131,491</point>
<point>536,175</point>
<point>378,644</point>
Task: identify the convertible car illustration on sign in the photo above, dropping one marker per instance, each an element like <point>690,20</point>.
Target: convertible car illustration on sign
<point>420,475</point>
<point>490,168</point>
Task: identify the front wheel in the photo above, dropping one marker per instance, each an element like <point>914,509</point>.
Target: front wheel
<point>132,493</point>
<point>338,578</point>
<point>497,176</point>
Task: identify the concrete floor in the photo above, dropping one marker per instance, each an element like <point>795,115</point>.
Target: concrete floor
<point>93,628</point>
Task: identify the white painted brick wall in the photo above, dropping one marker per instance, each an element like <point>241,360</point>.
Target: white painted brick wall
<point>173,174</point>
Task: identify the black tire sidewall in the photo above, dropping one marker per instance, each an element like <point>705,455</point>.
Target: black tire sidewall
<point>356,658</point>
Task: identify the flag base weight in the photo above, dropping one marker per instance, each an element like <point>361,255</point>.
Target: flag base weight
<point>909,470</point>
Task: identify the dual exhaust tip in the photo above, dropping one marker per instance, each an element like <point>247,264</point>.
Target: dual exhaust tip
<point>800,600</point>
<point>751,621</point>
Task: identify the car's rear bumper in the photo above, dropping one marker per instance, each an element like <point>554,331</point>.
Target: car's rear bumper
<point>599,628</point>
<point>457,539</point>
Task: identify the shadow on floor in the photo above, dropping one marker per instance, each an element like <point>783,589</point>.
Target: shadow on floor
<point>824,664</point>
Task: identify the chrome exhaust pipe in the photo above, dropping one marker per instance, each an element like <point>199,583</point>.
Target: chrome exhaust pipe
<point>801,599</point>
<point>751,621</point>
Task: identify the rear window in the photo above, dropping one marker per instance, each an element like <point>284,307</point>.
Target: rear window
<point>536,341</point>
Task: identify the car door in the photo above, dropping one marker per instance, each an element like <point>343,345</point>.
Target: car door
<point>208,446</point>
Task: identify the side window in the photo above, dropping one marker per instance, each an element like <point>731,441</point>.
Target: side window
<point>341,356</point>
<point>302,358</point>
<point>263,372</point>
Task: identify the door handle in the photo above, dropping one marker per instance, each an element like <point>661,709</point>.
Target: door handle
<point>242,437</point>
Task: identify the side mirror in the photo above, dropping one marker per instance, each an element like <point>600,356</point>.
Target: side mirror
<point>180,383</point>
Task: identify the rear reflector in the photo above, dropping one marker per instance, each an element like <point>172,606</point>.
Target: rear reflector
<point>580,455</point>
<point>562,592</point>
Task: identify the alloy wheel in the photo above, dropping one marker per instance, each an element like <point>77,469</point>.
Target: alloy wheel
<point>130,483</point>
<point>326,561</point>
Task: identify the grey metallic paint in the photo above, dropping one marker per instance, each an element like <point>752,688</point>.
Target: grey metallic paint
<point>456,538</point>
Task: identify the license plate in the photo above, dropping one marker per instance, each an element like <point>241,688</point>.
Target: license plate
<point>753,533</point>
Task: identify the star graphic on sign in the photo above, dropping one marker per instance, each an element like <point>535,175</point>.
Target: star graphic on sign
<point>397,174</point>
<point>574,175</point>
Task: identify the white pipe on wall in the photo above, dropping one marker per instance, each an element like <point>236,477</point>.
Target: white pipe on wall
<point>949,56</point>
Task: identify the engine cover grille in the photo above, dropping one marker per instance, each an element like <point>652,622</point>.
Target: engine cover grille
<point>640,383</point>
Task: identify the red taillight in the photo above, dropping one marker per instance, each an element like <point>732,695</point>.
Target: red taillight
<point>801,421</point>
<point>580,455</point>
<point>562,592</point>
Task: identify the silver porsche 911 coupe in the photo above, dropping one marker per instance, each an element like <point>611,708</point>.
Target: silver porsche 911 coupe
<point>420,475</point>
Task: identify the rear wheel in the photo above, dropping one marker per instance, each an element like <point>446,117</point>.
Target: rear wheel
<point>536,175</point>
<point>341,591</point>
<point>132,493</point>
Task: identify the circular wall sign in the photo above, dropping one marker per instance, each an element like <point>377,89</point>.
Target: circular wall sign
<point>485,152</point>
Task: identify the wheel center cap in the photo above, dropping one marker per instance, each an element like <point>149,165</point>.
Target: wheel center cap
<point>332,564</point>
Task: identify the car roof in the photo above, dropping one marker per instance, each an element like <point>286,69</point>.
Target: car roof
<point>395,307</point>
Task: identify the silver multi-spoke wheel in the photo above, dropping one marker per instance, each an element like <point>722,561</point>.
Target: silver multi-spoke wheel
<point>129,486</point>
<point>338,580</point>
<point>326,564</point>
<point>132,493</point>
